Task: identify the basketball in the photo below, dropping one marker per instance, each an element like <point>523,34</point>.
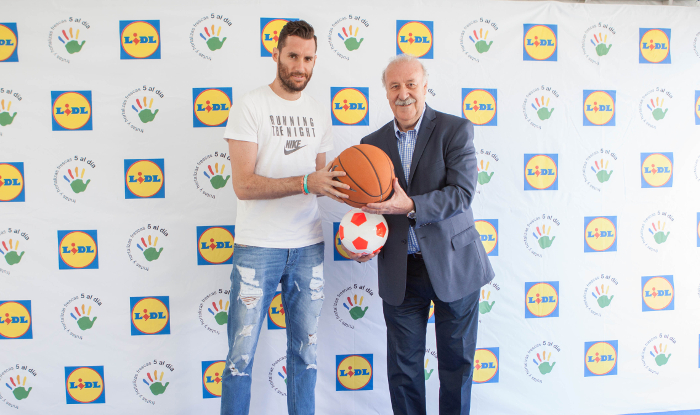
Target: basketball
<point>363,233</point>
<point>369,173</point>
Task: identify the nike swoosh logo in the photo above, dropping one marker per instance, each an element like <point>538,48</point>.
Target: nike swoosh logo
<point>288,152</point>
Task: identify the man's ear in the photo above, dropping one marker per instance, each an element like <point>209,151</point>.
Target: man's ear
<point>275,54</point>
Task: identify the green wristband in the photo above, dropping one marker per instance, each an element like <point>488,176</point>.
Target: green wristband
<point>306,189</point>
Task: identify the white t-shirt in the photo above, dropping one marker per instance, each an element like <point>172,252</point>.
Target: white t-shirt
<point>289,135</point>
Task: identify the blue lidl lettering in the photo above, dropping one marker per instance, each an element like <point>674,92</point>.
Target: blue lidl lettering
<point>606,108</point>
<point>603,234</point>
<point>155,316</point>
<point>86,385</point>
<point>18,320</point>
<point>11,182</point>
<point>487,238</point>
<point>148,178</point>
<point>6,42</point>
<point>353,106</point>
<point>81,250</point>
<point>549,299</point>
<point>543,42</point>
<point>543,172</point>
<point>482,107</point>
<point>73,110</point>
<point>214,107</point>
<point>656,45</point>
<point>416,39</point>
<point>356,372</point>
<point>660,293</point>
<point>219,245</point>
<point>658,170</point>
<point>142,39</point>
<point>604,358</point>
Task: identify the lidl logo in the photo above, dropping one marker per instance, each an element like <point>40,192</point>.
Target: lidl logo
<point>215,245</point>
<point>339,253</point>
<point>78,250</point>
<point>414,38</point>
<point>140,39</point>
<point>85,384</point>
<point>15,320</point>
<point>270,29</point>
<point>8,42</point>
<point>598,108</point>
<point>486,365</point>
<point>150,315</point>
<point>72,110</point>
<point>211,106</point>
<point>600,234</point>
<point>12,182</point>
<point>657,293</point>
<point>697,107</point>
<point>212,373</point>
<point>657,170</point>
<point>541,172</point>
<point>540,42</point>
<point>479,106</point>
<point>655,46</point>
<point>350,106</point>
<point>431,313</point>
<point>354,372</point>
<point>600,358</point>
<point>144,178</point>
<point>488,229</point>
<point>275,313</point>
<point>542,299</point>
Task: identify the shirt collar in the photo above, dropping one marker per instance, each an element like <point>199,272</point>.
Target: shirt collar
<point>416,128</point>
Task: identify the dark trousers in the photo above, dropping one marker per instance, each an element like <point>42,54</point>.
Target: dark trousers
<point>455,331</point>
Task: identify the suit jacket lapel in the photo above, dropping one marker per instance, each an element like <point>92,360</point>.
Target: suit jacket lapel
<point>394,154</point>
<point>427,126</point>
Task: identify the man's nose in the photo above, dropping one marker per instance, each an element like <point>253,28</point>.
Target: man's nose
<point>403,93</point>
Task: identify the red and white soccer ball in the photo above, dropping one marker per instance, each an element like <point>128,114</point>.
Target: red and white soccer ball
<point>362,232</point>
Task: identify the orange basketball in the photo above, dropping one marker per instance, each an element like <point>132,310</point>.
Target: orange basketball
<point>370,174</point>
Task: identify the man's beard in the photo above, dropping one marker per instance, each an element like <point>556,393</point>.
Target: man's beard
<point>285,78</point>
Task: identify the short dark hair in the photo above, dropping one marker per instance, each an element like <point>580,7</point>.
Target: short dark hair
<point>296,28</point>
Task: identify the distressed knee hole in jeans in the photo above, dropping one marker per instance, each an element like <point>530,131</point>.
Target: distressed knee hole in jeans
<point>250,292</point>
<point>316,284</point>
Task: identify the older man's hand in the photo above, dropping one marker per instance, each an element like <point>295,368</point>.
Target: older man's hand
<point>399,204</point>
<point>359,257</point>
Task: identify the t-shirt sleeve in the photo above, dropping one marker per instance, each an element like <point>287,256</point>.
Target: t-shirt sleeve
<point>242,124</point>
<point>327,139</point>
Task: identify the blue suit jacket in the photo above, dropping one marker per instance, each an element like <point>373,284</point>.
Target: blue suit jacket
<point>442,183</point>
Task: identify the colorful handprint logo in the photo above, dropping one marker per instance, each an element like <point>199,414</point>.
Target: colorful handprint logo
<point>542,362</point>
<point>19,390</point>
<point>542,108</point>
<point>356,311</point>
<point>601,295</point>
<point>656,109</point>
<point>150,252</point>
<point>543,239</point>
<point>480,42</point>
<point>601,171</point>
<point>659,355</point>
<point>220,313</point>
<point>425,370</point>
<point>10,254</point>
<point>76,182</point>
<point>213,42</point>
<point>145,114</point>
<point>484,176</point>
<point>70,42</point>
<point>658,232</point>
<point>155,384</point>
<point>600,44</point>
<point>5,117</point>
<point>215,176</point>
<point>484,306</point>
<point>83,319</point>
<point>350,41</point>
<point>283,376</point>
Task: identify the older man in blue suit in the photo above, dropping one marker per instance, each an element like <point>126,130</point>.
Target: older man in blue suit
<point>433,252</point>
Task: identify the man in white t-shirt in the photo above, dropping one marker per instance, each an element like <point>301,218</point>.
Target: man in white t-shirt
<point>277,139</point>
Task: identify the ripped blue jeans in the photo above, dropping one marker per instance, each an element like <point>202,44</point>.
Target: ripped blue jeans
<point>256,273</point>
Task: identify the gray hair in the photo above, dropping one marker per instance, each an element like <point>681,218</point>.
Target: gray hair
<point>404,58</point>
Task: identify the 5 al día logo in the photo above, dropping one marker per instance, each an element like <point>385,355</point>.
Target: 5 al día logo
<point>538,233</point>
<point>215,244</point>
<point>10,247</point>
<point>539,361</point>
<point>415,38</point>
<point>654,45</point>
<point>427,374</point>
<point>216,314</point>
<point>480,106</point>
<point>598,168</point>
<point>540,42</point>
<point>486,365</point>
<point>598,108</point>
<point>657,170</point>
<point>658,293</point>
<point>597,296</point>
<point>150,315</point>
<point>350,106</point>
<point>354,372</point>
<point>538,105</point>
<point>142,246</point>
<point>541,172</point>
<point>78,250</point>
<point>339,253</point>
<point>346,35</point>
<point>212,372</point>
<point>350,302</point>
<point>69,178</point>
<point>144,178</point>
<point>270,29</point>
<point>211,106</point>
<point>138,108</point>
<point>600,358</point>
<point>484,175</point>
<point>276,318</point>
<point>156,381</point>
<point>600,234</point>
<point>12,182</point>
<point>65,39</point>
<point>475,37</point>
<point>6,114</point>
<point>653,107</point>
<point>488,229</point>
<point>72,110</point>
<point>15,378</point>
<point>277,376</point>
<point>140,39</point>
<point>8,42</point>
<point>210,174</point>
<point>656,353</point>
<point>655,232</point>
<point>15,320</point>
<point>85,384</point>
<point>79,314</point>
<point>206,36</point>
<point>485,306</point>
<point>542,299</point>
<point>597,41</point>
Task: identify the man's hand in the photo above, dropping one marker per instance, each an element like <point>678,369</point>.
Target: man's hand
<point>321,183</point>
<point>360,257</point>
<point>399,204</point>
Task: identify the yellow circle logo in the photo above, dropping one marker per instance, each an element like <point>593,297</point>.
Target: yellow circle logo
<point>150,315</point>
<point>540,42</point>
<point>489,236</point>
<point>541,172</point>
<point>354,372</point>
<point>85,385</point>
<point>216,245</point>
<point>657,169</point>
<point>657,293</point>
<point>541,299</point>
<point>15,320</point>
<point>276,312</point>
<point>72,110</point>
<point>485,365</point>
<point>431,313</point>
<point>599,108</point>
<point>271,32</point>
<point>144,178</point>
<point>600,234</point>
<point>212,378</point>
<point>140,40</point>
<point>78,249</point>
<point>339,245</point>
<point>211,107</point>
<point>697,107</point>
<point>479,107</point>
<point>655,46</point>
<point>8,42</point>
<point>415,38</point>
<point>349,106</point>
<point>11,182</point>
<point>601,358</point>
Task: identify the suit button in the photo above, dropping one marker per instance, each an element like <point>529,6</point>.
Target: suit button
<point>403,241</point>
